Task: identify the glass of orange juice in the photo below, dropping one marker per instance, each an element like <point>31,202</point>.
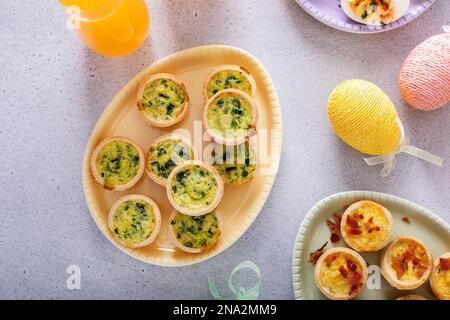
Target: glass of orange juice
<point>110,27</point>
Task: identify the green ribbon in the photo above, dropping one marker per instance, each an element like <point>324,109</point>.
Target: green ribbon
<point>241,293</point>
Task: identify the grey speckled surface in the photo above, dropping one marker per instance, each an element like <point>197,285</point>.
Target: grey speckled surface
<point>53,90</point>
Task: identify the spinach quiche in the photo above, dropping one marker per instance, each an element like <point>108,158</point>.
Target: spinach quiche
<point>134,221</point>
<point>440,277</point>
<point>194,188</point>
<point>406,263</point>
<point>166,153</point>
<point>228,77</point>
<point>230,117</point>
<point>340,273</point>
<point>366,226</point>
<point>195,234</point>
<point>117,163</point>
<point>236,164</point>
<point>162,99</point>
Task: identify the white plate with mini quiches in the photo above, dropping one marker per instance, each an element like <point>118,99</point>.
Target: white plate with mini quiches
<point>409,219</point>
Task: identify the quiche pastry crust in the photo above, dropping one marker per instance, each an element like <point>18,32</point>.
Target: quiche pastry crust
<point>152,120</point>
<point>183,247</point>
<point>240,135</point>
<point>211,173</point>
<point>366,226</point>
<point>97,175</point>
<point>224,68</point>
<point>156,213</point>
<point>341,276</point>
<point>403,250</point>
<point>411,297</point>
<point>440,279</point>
<point>171,136</point>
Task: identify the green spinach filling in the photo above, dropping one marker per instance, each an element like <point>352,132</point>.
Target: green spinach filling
<point>194,188</point>
<point>166,155</point>
<point>197,232</point>
<point>163,99</point>
<point>229,79</point>
<point>235,164</point>
<point>117,163</point>
<point>230,116</point>
<point>134,221</point>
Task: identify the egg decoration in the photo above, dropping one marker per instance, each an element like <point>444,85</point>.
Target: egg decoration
<point>425,74</point>
<point>364,117</point>
<point>375,12</point>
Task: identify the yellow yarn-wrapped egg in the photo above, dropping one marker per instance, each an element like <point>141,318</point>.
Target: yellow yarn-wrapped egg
<point>364,117</point>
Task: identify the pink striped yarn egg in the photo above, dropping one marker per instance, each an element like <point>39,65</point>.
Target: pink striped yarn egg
<point>425,75</point>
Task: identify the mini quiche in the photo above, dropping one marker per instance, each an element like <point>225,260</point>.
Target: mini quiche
<point>134,220</point>
<point>162,99</point>
<point>440,277</point>
<point>117,163</point>
<point>366,226</point>
<point>166,153</point>
<point>194,188</point>
<point>235,164</point>
<point>411,297</point>
<point>228,77</point>
<point>195,234</point>
<point>230,117</point>
<point>406,263</point>
<point>340,273</point>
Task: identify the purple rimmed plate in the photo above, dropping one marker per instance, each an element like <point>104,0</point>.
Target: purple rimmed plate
<point>330,13</point>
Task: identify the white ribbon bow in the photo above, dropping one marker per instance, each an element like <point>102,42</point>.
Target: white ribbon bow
<point>389,160</point>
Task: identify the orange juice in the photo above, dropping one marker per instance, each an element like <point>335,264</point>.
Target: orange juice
<point>110,27</point>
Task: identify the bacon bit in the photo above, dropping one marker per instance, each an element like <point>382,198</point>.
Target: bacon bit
<point>354,289</point>
<point>351,265</point>
<point>314,256</point>
<point>352,222</point>
<point>334,238</point>
<point>369,230</point>
<point>337,218</point>
<point>335,227</point>
<point>408,254</point>
<point>406,220</point>
<point>332,226</point>
<point>370,219</point>
<point>444,263</point>
<point>343,271</point>
<point>355,231</point>
<point>355,278</point>
<point>377,228</point>
<point>415,260</point>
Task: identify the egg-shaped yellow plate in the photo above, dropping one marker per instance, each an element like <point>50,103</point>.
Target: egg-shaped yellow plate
<point>240,204</point>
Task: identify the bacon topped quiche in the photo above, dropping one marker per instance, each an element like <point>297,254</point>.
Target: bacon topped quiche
<point>117,163</point>
<point>194,188</point>
<point>230,117</point>
<point>440,277</point>
<point>340,273</point>
<point>162,99</point>
<point>406,263</point>
<point>228,77</point>
<point>366,226</point>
